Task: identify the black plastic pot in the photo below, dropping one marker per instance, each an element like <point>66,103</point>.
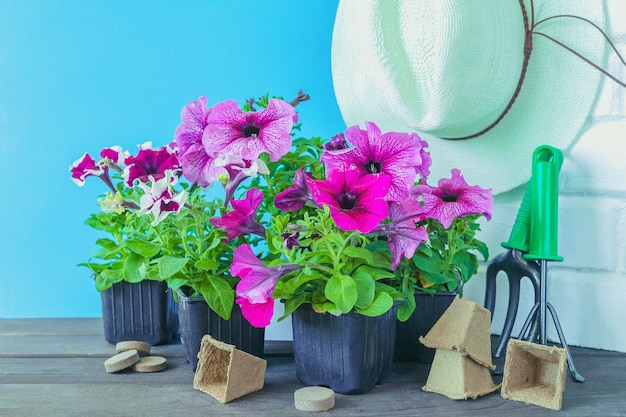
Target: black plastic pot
<point>428,309</point>
<point>350,353</point>
<point>197,319</point>
<point>143,311</point>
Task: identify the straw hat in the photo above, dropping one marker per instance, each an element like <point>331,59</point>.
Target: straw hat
<point>449,69</point>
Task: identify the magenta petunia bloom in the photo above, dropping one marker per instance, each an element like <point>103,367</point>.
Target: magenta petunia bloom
<point>454,198</point>
<point>84,167</point>
<point>242,219</point>
<point>403,235</point>
<point>150,163</point>
<point>356,202</point>
<point>198,166</point>
<point>294,198</point>
<point>159,198</point>
<point>398,155</point>
<point>249,134</point>
<point>254,290</point>
<point>114,154</point>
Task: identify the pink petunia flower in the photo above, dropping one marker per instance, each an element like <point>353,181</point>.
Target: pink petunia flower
<point>198,166</point>
<point>249,134</point>
<point>84,167</point>
<point>356,201</point>
<point>398,155</point>
<point>254,290</point>
<point>150,163</point>
<point>242,219</point>
<point>159,198</point>
<point>403,235</point>
<point>294,198</point>
<point>454,198</point>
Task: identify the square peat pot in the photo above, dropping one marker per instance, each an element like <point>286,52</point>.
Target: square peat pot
<point>350,353</point>
<point>144,311</point>
<point>197,319</point>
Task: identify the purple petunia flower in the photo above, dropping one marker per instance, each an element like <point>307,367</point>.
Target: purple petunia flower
<point>159,198</point>
<point>84,167</point>
<point>403,236</point>
<point>248,134</point>
<point>198,166</point>
<point>398,155</point>
<point>294,198</point>
<point>454,198</point>
<point>254,290</point>
<point>336,143</point>
<point>150,163</point>
<point>356,202</point>
<point>242,219</point>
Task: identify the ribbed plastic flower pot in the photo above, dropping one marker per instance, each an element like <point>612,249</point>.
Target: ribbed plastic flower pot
<point>350,353</point>
<point>144,311</point>
<point>197,319</point>
<point>428,309</point>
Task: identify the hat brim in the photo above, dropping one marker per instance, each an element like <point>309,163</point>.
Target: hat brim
<point>553,106</point>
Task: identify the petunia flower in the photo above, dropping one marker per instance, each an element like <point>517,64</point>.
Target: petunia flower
<point>454,198</point>
<point>150,163</point>
<point>403,235</point>
<point>336,143</point>
<point>356,201</point>
<point>242,219</point>
<point>398,155</point>
<point>84,167</point>
<point>159,198</point>
<point>254,290</point>
<point>112,203</point>
<point>113,154</point>
<point>249,134</point>
<point>198,166</point>
<point>236,171</point>
<point>294,198</point>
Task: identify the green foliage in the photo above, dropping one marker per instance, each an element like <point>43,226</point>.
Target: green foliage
<point>343,271</point>
<point>445,262</point>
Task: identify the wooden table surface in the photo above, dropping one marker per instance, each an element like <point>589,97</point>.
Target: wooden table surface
<point>54,367</point>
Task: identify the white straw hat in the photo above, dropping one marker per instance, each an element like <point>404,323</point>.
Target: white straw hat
<point>449,69</point>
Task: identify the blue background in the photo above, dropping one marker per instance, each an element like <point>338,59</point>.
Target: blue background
<point>79,75</point>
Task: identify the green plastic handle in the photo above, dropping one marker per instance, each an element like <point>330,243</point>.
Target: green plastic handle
<point>544,186</point>
<point>520,234</point>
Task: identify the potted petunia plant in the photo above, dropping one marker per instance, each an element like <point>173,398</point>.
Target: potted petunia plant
<point>160,219</point>
<point>339,243</point>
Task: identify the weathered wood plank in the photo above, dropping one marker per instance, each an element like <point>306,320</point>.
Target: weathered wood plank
<point>55,368</point>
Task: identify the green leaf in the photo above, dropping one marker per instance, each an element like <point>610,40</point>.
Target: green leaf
<point>102,284</point>
<point>176,283</point>
<point>342,291</point>
<point>381,304</point>
<point>142,247</point>
<point>219,295</point>
<point>170,265</point>
<point>406,309</point>
<point>376,273</point>
<point>431,263</point>
<point>135,267</point>
<point>206,264</point>
<point>292,304</point>
<point>362,253</point>
<point>366,288</point>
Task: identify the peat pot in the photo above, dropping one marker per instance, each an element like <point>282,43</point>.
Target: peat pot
<point>144,311</point>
